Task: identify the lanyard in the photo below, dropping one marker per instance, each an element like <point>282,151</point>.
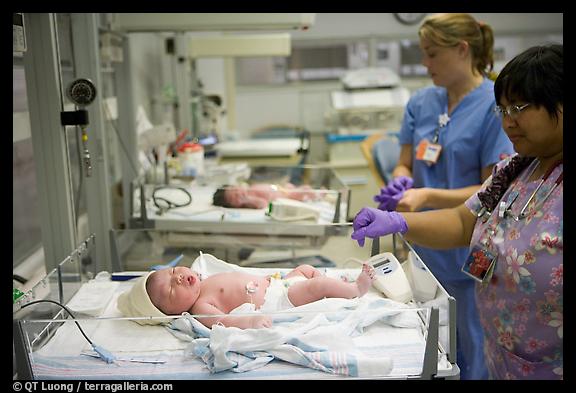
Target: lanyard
<point>443,120</point>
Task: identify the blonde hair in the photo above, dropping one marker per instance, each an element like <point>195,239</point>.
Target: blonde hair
<point>450,29</point>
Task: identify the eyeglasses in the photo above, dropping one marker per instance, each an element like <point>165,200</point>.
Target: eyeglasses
<point>512,111</point>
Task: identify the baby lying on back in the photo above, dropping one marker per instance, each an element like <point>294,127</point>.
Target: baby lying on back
<point>173,291</point>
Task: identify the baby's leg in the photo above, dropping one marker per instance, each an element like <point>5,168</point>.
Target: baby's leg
<point>320,287</point>
<point>307,271</point>
<point>365,279</point>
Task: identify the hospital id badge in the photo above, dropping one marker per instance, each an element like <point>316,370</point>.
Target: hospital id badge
<point>480,264</point>
<point>429,152</point>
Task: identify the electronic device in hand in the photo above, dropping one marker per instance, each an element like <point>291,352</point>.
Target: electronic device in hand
<point>390,277</point>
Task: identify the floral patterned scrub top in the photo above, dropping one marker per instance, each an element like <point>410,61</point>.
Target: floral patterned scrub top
<point>521,308</point>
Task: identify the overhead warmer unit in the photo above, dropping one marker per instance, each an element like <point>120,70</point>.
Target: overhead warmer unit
<point>243,45</point>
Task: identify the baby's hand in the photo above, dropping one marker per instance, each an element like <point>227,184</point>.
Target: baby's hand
<point>260,322</point>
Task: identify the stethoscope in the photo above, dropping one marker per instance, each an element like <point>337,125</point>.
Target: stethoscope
<point>167,204</point>
<point>505,208</point>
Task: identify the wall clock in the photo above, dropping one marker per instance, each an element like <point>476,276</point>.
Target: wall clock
<point>409,18</point>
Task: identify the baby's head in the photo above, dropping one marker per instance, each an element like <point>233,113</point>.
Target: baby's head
<point>173,290</point>
<point>170,291</point>
<point>219,197</point>
<point>238,197</point>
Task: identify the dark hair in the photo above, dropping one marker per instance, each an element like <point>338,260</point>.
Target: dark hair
<point>534,76</point>
<point>219,197</point>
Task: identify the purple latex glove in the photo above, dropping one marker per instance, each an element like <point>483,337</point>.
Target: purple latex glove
<point>386,201</point>
<point>391,194</point>
<point>371,222</point>
<point>401,183</point>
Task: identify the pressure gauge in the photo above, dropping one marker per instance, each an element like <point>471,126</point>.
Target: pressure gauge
<point>81,92</point>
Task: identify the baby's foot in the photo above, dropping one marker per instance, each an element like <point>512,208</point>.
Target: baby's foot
<point>365,279</point>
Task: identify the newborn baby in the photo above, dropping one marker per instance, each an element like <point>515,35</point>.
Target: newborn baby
<point>258,196</point>
<point>180,289</point>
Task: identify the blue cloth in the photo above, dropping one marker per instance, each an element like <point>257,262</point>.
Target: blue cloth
<point>472,139</point>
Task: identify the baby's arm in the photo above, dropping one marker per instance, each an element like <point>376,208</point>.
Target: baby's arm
<point>242,322</point>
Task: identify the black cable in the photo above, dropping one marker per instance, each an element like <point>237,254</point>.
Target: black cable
<point>65,308</point>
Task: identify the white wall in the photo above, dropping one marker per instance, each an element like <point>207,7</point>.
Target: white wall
<point>147,55</point>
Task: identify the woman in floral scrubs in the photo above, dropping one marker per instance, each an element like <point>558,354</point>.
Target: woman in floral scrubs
<point>521,307</point>
<point>516,223</point>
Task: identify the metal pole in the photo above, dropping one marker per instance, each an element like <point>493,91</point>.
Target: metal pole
<point>21,352</point>
<point>182,82</point>
<point>127,127</point>
<point>54,181</point>
<point>98,189</point>
<point>430,367</point>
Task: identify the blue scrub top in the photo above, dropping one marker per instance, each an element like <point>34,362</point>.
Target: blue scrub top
<point>473,139</point>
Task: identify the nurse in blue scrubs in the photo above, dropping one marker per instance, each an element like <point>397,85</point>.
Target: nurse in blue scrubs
<point>450,140</point>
